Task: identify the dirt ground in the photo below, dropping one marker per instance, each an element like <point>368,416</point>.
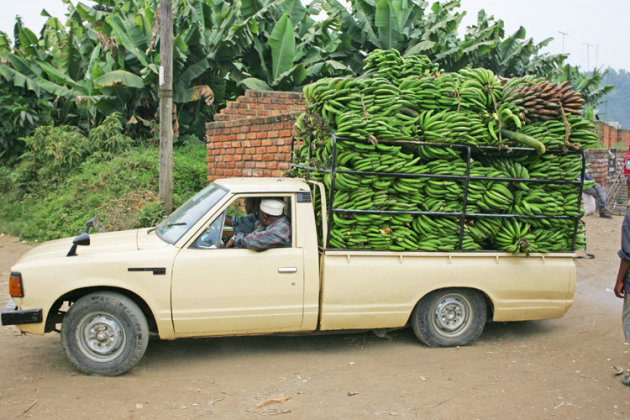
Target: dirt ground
<point>538,369</point>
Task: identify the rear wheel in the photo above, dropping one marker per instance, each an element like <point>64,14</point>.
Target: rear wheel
<point>450,317</point>
<point>104,333</point>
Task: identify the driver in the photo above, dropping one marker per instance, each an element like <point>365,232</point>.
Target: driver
<point>251,222</point>
<point>276,233</point>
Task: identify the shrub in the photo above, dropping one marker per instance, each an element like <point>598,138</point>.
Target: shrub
<point>121,190</point>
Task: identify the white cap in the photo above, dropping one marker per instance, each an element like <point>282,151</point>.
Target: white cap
<point>272,207</point>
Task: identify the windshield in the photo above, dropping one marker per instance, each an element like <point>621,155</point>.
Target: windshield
<point>177,224</point>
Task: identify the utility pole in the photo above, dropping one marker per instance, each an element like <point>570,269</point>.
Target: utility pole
<point>166,105</point>
<point>588,50</point>
<point>563,35</point>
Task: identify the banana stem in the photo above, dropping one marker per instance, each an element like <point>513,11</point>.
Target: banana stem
<point>525,139</point>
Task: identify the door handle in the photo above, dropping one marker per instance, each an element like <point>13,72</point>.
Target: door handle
<point>287,270</point>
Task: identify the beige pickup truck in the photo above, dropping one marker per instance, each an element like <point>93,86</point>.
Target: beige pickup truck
<point>179,280</point>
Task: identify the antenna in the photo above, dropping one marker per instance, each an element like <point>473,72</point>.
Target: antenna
<point>563,35</point>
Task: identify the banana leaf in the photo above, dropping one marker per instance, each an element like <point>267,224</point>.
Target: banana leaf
<point>119,77</point>
<point>192,71</point>
<point>254,84</point>
<point>295,10</point>
<point>56,75</point>
<point>18,79</point>
<point>282,44</point>
<point>123,37</point>
<point>386,20</point>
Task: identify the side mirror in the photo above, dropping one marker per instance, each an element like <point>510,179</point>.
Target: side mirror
<point>84,238</point>
<point>94,222</point>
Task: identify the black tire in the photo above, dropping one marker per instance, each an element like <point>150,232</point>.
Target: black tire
<point>104,333</point>
<point>450,317</point>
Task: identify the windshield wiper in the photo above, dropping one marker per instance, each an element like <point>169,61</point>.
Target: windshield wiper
<point>168,225</point>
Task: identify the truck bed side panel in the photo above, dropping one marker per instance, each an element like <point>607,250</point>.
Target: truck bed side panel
<point>380,289</point>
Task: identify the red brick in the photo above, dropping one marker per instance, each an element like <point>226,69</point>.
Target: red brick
<point>256,143</point>
<point>267,142</point>
<point>262,135</point>
<point>283,157</point>
<point>251,136</point>
<point>272,149</point>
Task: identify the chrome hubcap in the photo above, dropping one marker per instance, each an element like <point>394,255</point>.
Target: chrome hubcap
<point>451,315</point>
<point>101,337</point>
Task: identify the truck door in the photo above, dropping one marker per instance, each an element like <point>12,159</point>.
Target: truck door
<point>218,290</point>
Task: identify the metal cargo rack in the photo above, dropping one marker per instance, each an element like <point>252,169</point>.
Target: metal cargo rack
<point>466,178</point>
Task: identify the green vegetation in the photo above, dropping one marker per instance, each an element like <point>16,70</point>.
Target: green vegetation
<point>60,85</point>
<point>106,56</point>
<point>64,179</point>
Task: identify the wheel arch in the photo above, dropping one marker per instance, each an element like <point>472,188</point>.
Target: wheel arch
<point>486,298</point>
<point>55,316</point>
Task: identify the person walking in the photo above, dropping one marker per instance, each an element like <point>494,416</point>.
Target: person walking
<point>622,284</point>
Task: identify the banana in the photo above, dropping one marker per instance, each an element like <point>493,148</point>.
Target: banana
<point>410,99</point>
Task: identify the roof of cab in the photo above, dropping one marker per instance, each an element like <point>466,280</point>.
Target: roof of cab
<point>263,184</point>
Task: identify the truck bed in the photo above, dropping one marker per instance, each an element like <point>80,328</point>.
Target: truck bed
<point>379,289</point>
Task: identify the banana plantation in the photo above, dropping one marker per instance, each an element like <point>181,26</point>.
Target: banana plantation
<point>79,96</point>
<point>105,56</point>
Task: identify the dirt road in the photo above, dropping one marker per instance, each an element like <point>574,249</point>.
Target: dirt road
<point>541,369</point>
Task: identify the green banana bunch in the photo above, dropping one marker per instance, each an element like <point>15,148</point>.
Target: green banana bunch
<point>515,237</point>
<point>387,64</point>
<point>410,100</point>
<point>421,92</point>
<point>418,65</point>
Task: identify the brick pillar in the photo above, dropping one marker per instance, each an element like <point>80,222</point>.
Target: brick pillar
<point>252,135</point>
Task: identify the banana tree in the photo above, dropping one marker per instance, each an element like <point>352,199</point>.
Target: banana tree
<point>588,84</point>
<point>517,56</point>
<point>289,47</point>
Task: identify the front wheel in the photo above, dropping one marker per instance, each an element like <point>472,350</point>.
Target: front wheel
<point>451,317</point>
<point>104,333</point>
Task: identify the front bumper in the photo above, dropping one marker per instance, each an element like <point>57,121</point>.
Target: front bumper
<point>11,315</point>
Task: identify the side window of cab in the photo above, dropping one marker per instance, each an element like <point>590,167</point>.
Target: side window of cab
<point>243,215</point>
